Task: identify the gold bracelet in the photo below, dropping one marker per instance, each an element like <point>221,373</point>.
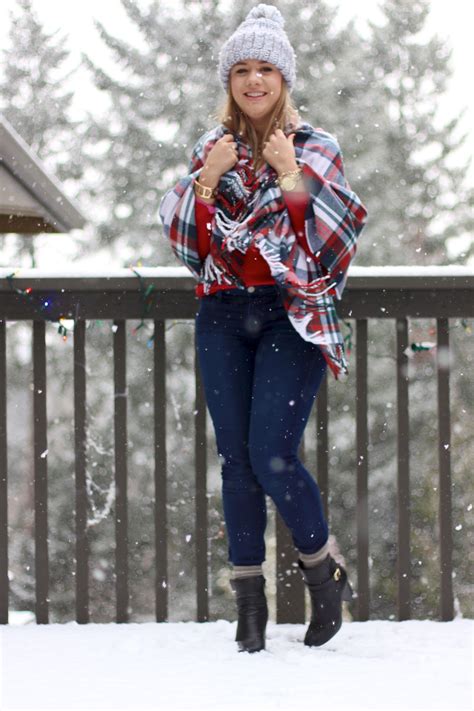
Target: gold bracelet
<point>291,172</point>
<point>204,191</point>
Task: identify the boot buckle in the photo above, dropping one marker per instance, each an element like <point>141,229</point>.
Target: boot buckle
<point>337,574</point>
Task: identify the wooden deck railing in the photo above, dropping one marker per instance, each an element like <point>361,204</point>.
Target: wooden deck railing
<point>396,293</point>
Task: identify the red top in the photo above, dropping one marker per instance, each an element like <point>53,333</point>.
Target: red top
<point>255,269</point>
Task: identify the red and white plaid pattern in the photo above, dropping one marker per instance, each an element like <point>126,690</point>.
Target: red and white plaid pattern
<point>250,209</point>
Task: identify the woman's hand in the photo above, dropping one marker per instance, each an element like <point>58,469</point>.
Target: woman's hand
<point>279,152</point>
<point>222,156</point>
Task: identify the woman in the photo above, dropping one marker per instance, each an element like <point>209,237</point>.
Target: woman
<point>267,224</point>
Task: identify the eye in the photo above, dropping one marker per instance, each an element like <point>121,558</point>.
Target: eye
<point>265,69</point>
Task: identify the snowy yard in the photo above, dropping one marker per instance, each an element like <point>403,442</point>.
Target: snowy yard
<point>188,666</point>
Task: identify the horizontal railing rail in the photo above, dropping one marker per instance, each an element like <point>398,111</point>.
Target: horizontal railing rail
<point>158,294</point>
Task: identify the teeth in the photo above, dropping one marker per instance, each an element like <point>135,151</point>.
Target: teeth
<point>255,94</point>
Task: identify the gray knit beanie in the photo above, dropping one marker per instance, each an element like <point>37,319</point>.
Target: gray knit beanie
<point>260,36</point>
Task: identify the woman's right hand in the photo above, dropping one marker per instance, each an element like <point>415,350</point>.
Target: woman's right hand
<point>221,158</point>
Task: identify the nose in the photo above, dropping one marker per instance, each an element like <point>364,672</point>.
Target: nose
<point>254,76</point>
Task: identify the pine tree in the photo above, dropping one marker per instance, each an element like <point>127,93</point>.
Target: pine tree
<point>36,92</point>
<point>166,77</point>
<point>423,197</point>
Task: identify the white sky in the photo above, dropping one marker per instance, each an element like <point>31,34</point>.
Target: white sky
<point>448,18</point>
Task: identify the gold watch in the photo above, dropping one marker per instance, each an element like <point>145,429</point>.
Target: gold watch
<point>290,179</point>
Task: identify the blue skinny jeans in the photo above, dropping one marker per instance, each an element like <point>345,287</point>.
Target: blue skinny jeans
<point>260,379</point>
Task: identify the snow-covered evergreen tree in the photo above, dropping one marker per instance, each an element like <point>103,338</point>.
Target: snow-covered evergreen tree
<point>36,93</point>
<point>421,197</point>
<point>161,88</point>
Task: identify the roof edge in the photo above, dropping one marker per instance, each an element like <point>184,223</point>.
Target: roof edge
<point>20,160</point>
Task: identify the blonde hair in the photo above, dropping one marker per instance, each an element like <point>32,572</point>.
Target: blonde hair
<point>233,118</point>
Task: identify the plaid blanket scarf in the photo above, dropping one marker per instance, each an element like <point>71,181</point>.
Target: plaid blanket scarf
<point>250,209</point>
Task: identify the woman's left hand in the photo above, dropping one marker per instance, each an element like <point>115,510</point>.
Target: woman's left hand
<point>279,152</point>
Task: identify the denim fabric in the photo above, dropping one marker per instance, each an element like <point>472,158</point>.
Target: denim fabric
<point>260,379</point>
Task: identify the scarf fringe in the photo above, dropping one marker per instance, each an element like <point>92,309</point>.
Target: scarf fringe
<point>336,361</point>
<point>212,272</point>
<point>315,288</point>
<point>270,255</point>
<point>231,230</point>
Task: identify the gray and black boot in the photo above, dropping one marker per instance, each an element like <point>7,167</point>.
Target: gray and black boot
<point>328,586</point>
<point>252,612</point>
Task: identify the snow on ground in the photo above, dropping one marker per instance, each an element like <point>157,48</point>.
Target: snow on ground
<point>189,666</point>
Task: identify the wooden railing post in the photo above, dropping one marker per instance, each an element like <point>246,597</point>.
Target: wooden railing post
<point>403,478</point>
<point>80,440</point>
<point>322,444</point>
<point>161,496</point>
<point>40,466</point>
<point>200,453</point>
<point>363,598</point>
<point>444,456</point>
<point>4,586</point>
<point>121,449</point>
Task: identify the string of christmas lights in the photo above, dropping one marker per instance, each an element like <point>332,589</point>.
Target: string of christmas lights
<point>348,337</point>
<point>147,295</point>
<point>147,298</point>
<point>62,328</point>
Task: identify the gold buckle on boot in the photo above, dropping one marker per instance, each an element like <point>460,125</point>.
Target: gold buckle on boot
<point>337,574</point>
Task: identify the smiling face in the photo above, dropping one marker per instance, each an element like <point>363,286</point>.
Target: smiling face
<point>256,77</point>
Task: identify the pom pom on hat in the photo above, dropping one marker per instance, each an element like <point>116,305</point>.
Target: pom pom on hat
<point>270,12</point>
<point>260,36</point>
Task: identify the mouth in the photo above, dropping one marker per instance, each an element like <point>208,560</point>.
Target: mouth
<point>255,96</point>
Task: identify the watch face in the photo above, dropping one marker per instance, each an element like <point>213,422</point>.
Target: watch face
<point>288,183</point>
